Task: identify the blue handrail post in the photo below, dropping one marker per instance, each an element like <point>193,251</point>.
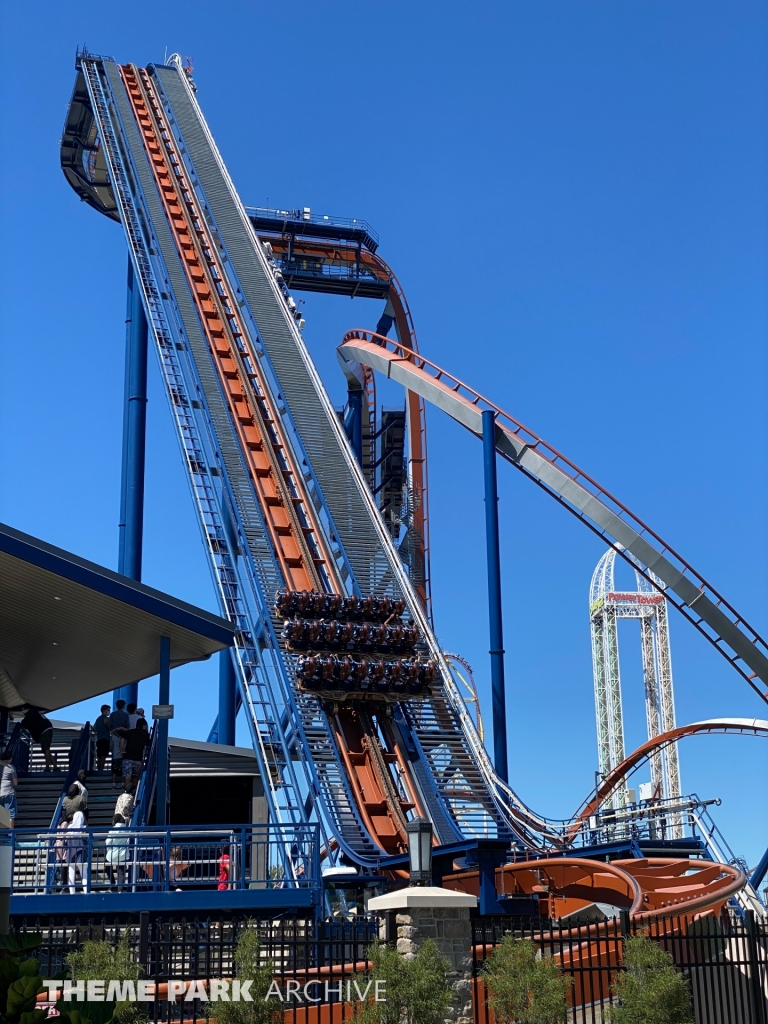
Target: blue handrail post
<point>243,860</point>
<point>227,700</point>
<point>494,596</point>
<point>131,527</point>
<point>161,816</point>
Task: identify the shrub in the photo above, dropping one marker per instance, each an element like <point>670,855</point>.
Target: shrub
<point>649,989</point>
<point>524,987</point>
<point>98,960</point>
<point>102,961</point>
<point>250,966</point>
<point>416,991</point>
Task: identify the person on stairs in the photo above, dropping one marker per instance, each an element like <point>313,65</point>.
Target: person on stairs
<point>124,807</point>
<point>103,732</point>
<point>134,745</point>
<point>9,780</point>
<point>76,845</point>
<point>72,802</point>
<point>80,783</point>
<point>41,731</point>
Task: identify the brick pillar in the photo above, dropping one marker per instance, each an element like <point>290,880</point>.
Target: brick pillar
<point>442,915</point>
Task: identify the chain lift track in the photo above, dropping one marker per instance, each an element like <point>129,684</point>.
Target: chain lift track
<point>269,510</point>
<point>283,502</point>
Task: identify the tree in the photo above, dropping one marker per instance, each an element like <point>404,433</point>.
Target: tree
<point>523,986</point>
<point>414,991</point>
<point>250,966</point>
<point>650,990</point>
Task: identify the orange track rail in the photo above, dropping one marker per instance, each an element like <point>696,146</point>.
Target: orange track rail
<point>648,888</point>
<point>751,727</point>
<point>299,548</point>
<point>298,543</point>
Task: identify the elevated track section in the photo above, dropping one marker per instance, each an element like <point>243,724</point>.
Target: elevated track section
<point>287,507</point>
<point>282,501</point>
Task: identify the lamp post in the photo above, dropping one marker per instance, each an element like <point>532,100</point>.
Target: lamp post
<point>419,832</point>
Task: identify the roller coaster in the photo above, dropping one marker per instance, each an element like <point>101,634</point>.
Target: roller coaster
<point>317,539</point>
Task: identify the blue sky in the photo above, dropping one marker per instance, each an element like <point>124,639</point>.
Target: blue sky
<point>574,198</point>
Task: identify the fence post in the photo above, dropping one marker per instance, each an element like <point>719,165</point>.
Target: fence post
<point>144,940</point>
<point>755,984</point>
<point>441,915</point>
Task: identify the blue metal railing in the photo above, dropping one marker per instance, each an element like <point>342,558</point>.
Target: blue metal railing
<point>145,793</point>
<point>18,744</point>
<point>303,216</point>
<point>79,760</point>
<point>224,858</point>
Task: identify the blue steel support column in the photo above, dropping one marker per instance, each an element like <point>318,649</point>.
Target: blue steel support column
<point>131,527</point>
<point>353,421</point>
<point>227,700</point>
<point>494,596</point>
<point>760,872</point>
<point>163,697</point>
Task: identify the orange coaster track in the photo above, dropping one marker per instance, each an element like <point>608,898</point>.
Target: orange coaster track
<point>298,541</point>
<point>298,546</point>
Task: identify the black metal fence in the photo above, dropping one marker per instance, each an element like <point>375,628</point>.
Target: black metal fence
<point>724,960</point>
<point>315,963</point>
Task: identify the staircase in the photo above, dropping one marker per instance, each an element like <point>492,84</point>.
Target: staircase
<point>38,794</point>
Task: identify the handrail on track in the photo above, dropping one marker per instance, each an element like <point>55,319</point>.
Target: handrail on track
<point>604,514</point>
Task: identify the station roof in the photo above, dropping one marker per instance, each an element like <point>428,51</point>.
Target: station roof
<point>71,629</point>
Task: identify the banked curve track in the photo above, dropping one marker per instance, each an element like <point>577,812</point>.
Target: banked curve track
<point>712,726</point>
<point>657,561</point>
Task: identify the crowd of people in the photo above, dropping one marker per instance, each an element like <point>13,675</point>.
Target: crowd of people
<point>123,736</point>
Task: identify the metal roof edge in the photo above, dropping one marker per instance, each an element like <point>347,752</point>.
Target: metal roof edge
<point>221,748</point>
<point>111,584</point>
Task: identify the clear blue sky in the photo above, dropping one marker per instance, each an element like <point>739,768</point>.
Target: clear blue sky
<point>574,198</point>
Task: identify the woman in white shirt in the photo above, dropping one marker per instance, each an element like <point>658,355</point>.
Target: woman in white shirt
<point>76,845</point>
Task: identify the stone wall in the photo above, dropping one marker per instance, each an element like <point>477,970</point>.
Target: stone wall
<point>449,928</point>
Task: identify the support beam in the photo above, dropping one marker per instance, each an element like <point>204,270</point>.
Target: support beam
<point>494,596</point>
<point>353,421</point>
<point>227,700</point>
<point>760,872</point>
<point>131,527</point>
<point>164,697</point>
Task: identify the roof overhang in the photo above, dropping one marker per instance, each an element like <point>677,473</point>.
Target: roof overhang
<point>71,629</point>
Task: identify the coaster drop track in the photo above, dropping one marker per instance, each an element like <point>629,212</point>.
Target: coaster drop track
<point>282,502</point>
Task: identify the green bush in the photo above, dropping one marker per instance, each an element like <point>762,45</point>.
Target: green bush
<point>415,992</point>
<point>250,966</point>
<point>524,987</point>
<point>649,989</point>
<point>101,961</point>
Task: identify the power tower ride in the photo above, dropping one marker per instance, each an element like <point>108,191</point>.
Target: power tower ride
<point>649,606</point>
